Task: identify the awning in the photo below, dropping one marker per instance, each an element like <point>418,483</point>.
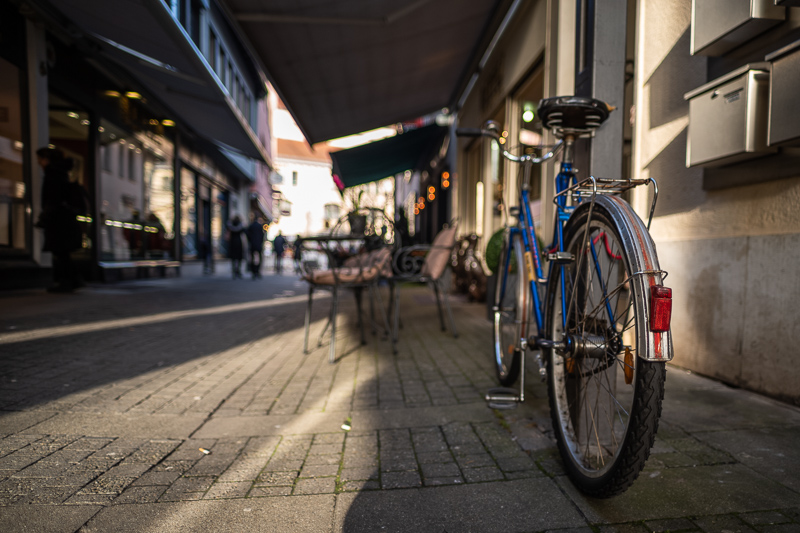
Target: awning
<point>144,38</point>
<point>412,150</point>
<point>347,66</point>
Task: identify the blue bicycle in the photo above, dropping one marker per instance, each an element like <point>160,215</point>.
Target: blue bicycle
<point>599,320</point>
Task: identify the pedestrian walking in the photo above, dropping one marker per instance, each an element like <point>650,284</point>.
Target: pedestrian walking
<point>62,232</point>
<point>255,244</point>
<point>235,245</point>
<point>279,245</point>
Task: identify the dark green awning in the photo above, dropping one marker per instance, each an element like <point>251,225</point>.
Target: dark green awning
<point>412,150</point>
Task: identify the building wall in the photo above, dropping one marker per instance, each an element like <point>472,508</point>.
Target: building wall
<point>311,168</point>
<point>314,189</point>
<point>519,50</point>
<point>731,253</point>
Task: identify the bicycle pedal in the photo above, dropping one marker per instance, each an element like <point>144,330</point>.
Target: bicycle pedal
<point>502,398</point>
<point>561,257</point>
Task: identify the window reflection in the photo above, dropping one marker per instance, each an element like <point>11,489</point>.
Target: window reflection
<point>137,213</point>
<point>12,181</point>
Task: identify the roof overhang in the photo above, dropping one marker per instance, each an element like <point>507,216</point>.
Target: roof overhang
<point>147,41</point>
<point>412,150</point>
<point>353,65</point>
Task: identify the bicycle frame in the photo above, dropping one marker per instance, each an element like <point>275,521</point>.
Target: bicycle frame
<point>566,182</point>
<point>533,264</point>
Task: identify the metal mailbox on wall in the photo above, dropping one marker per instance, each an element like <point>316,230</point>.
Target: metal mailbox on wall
<point>784,105</point>
<point>721,25</point>
<point>728,118</point>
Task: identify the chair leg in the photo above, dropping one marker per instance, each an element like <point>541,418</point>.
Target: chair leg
<point>334,310</point>
<point>438,304</point>
<point>391,300</point>
<point>308,317</point>
<point>396,327</point>
<point>327,325</point>
<point>449,310</point>
<point>372,312</point>
<point>384,315</point>
<point>359,294</point>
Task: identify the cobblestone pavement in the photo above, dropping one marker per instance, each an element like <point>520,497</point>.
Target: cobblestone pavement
<point>187,405</point>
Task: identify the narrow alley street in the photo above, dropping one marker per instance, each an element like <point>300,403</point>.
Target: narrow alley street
<point>187,404</point>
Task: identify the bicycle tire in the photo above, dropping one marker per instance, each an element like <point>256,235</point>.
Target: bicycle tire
<point>511,311</point>
<point>605,422</point>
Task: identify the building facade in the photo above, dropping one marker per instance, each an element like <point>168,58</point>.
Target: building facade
<point>161,183</point>
<point>309,201</point>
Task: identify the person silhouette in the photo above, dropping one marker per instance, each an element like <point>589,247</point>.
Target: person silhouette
<point>62,232</point>
<point>235,245</point>
<point>255,244</point>
<point>279,245</point>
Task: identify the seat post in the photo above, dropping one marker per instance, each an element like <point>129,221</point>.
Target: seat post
<point>569,149</point>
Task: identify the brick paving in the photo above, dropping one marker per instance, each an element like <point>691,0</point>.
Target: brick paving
<point>136,397</point>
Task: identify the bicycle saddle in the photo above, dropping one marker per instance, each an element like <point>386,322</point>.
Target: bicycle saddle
<point>573,114</point>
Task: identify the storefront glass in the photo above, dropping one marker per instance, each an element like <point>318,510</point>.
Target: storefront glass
<point>13,202</point>
<point>137,208</point>
<point>219,218</point>
<point>188,214</point>
<point>69,132</point>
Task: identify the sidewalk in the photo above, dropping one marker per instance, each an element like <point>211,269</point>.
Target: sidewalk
<point>187,405</point>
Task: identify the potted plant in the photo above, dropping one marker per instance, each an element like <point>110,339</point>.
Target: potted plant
<point>358,221</point>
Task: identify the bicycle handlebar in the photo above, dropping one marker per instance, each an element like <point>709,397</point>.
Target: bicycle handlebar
<point>491,128</point>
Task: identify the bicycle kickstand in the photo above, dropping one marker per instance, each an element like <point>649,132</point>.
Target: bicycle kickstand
<point>505,397</point>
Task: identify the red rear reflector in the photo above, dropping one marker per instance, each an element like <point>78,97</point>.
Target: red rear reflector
<point>660,308</point>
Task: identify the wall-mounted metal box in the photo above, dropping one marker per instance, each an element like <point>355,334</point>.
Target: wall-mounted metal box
<point>784,91</point>
<point>721,25</point>
<point>728,118</point>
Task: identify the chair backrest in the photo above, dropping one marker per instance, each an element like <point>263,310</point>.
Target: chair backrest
<point>439,257</point>
<point>382,260</point>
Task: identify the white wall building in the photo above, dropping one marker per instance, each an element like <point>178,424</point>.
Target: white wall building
<point>304,180</point>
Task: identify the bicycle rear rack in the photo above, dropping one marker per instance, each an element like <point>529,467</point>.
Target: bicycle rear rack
<point>591,187</point>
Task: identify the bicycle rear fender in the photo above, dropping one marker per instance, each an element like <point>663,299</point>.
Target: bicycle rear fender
<point>645,272</point>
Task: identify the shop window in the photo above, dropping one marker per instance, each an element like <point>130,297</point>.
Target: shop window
<point>105,154</point>
<point>13,202</point>
<point>219,215</point>
<point>188,214</point>
<point>132,163</point>
<point>68,126</point>
<point>137,215</point>
<point>121,155</point>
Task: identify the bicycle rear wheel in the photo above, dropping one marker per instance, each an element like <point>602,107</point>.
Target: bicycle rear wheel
<point>511,310</point>
<point>605,400</point>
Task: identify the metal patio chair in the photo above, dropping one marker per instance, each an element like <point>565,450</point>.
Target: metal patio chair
<point>360,272</point>
<point>425,264</point>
